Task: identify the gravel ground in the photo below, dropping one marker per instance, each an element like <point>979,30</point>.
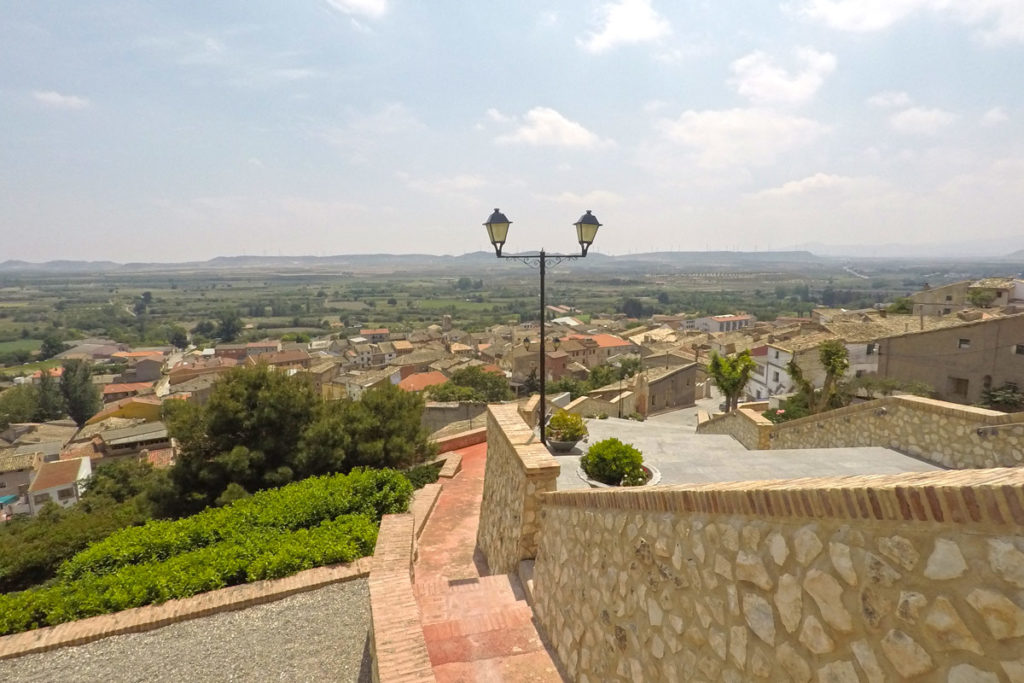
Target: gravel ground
<point>316,636</point>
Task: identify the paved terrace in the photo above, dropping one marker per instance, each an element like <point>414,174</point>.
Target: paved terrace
<point>688,458</point>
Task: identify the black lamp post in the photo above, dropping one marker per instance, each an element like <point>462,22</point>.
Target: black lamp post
<point>586,230</point>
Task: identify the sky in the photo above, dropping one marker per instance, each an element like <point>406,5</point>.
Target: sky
<point>143,131</point>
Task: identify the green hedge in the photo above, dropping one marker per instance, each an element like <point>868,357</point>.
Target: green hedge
<point>318,521</point>
<point>371,493</point>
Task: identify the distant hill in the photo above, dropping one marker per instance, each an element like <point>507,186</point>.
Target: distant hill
<point>700,259</point>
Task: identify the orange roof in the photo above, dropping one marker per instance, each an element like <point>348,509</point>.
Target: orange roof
<point>603,340</point>
<point>421,380</point>
<point>380,330</point>
<point>160,458</point>
<point>56,473</point>
<point>493,368</point>
<point>136,354</point>
<point>54,372</point>
<point>127,386</point>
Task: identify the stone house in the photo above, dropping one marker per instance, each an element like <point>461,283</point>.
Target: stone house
<point>961,362</point>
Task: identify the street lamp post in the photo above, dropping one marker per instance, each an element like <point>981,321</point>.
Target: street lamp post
<point>497,230</point>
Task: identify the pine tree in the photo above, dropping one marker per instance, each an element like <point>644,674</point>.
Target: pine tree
<point>81,396</point>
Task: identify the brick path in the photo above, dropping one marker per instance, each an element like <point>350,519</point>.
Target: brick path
<point>477,627</point>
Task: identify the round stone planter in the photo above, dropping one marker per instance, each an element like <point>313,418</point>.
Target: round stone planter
<point>654,478</point>
<point>561,446</point>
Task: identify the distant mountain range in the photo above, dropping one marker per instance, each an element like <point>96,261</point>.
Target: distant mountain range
<point>996,248</point>
<point>689,259</point>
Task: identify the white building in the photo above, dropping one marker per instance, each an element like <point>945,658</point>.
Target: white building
<point>60,481</point>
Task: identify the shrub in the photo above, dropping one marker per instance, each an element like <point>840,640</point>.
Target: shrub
<point>565,426</point>
<point>322,520</point>
<point>614,463</point>
<point>371,493</point>
<point>421,475</point>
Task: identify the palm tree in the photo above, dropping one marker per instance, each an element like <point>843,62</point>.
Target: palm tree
<point>731,375</point>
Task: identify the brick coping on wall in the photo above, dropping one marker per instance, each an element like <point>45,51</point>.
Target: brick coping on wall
<point>470,437</point>
<point>151,617</point>
<point>532,455</point>
<point>990,496</point>
<point>396,634</point>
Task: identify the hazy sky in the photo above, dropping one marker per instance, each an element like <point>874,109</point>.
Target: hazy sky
<point>185,130</point>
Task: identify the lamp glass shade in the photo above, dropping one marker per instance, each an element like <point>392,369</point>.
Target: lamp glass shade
<point>497,227</point>
<point>586,228</point>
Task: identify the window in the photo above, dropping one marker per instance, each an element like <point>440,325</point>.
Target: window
<point>41,498</point>
<point>3,484</point>
<point>963,344</point>
<point>949,297</point>
<point>65,494</point>
<point>776,354</point>
<point>859,373</point>
<point>1019,349</point>
<point>871,349</point>
<point>957,386</point>
<point>775,376</point>
<point>946,311</point>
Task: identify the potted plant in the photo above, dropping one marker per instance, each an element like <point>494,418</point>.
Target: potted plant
<point>564,431</point>
<point>613,463</point>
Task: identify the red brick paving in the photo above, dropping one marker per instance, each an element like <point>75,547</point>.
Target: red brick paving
<point>477,627</point>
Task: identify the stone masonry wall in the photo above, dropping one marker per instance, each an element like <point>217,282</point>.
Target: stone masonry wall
<point>948,434</point>
<point>746,426</point>
<point>914,576</point>
<point>519,468</point>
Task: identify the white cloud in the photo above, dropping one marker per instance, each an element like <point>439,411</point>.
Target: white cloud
<point>762,81</point>
<point>889,99</point>
<point>543,126</point>
<point>921,121</point>
<point>370,9</point>
<point>52,98</point>
<point>737,137</point>
<point>624,23</point>
<point>592,198</point>
<point>994,116</point>
<point>817,184</point>
<point>455,186</point>
<point>996,21</point>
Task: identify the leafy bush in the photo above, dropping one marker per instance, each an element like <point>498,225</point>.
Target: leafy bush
<point>265,553</point>
<point>614,463</point>
<point>421,475</point>
<point>322,520</point>
<point>565,426</point>
<point>371,493</point>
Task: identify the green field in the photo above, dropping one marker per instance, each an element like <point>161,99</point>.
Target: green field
<point>20,345</point>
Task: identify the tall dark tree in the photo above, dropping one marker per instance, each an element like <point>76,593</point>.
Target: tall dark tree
<point>51,403</point>
<point>18,404</point>
<point>229,325</point>
<point>81,396</point>
<point>52,345</point>
<point>246,434</point>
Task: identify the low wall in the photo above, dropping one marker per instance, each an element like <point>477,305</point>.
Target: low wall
<point>747,426</point>
<point>519,468</point>
<point>837,579</point>
<point>592,406</point>
<point>469,437</point>
<point>399,650</point>
<point>437,415</point>
<point>948,434</point>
